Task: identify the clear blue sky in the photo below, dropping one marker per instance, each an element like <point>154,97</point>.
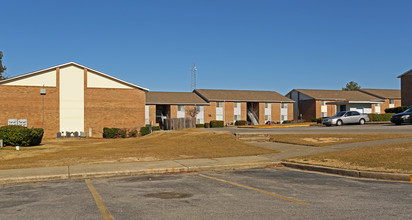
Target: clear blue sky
<point>254,45</point>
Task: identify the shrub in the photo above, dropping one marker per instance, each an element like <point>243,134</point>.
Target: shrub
<point>241,122</point>
<point>294,121</point>
<point>317,120</point>
<point>123,133</point>
<point>21,136</point>
<point>207,125</point>
<point>200,125</point>
<point>145,130</point>
<point>397,109</point>
<point>216,124</point>
<point>133,133</point>
<point>380,117</point>
<point>110,132</point>
<point>154,128</point>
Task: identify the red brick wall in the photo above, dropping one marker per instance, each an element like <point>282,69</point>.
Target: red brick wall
<point>210,112</point>
<point>331,109</point>
<point>406,89</point>
<point>122,108</point>
<point>290,111</point>
<point>25,102</point>
<point>229,112</point>
<point>243,111</point>
<point>276,112</point>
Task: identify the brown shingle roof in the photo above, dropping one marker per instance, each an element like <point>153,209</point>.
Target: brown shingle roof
<point>241,95</point>
<point>384,93</point>
<point>338,95</point>
<point>181,98</point>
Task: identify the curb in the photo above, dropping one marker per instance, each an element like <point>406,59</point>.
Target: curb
<point>86,175</point>
<point>351,173</point>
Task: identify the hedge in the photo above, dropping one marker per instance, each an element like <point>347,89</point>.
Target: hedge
<point>380,117</point>
<point>154,128</point>
<point>200,125</point>
<point>111,132</point>
<point>397,109</point>
<point>216,124</point>
<point>241,122</point>
<point>207,125</point>
<point>317,120</point>
<point>144,131</point>
<point>15,135</point>
<point>293,121</point>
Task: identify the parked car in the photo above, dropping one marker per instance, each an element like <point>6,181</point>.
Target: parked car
<point>403,117</point>
<point>346,117</point>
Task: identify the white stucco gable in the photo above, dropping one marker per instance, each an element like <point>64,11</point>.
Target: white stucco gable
<point>95,80</point>
<point>47,78</point>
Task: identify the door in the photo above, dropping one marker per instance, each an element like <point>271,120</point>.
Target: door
<point>343,108</point>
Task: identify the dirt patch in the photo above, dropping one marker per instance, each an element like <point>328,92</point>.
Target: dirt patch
<point>325,140</point>
<point>394,158</point>
<point>157,146</point>
<point>320,140</point>
<point>169,195</point>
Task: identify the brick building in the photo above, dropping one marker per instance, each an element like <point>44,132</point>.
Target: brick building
<point>77,98</point>
<point>406,88</point>
<point>163,105</point>
<point>313,103</point>
<point>391,97</point>
<point>256,107</point>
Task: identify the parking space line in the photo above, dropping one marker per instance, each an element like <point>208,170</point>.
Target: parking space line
<point>256,189</point>
<point>99,201</point>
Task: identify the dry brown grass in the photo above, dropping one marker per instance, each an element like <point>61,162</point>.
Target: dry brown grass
<point>157,146</point>
<point>320,140</point>
<point>395,158</point>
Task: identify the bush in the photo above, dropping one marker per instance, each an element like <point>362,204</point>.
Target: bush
<point>317,120</point>
<point>15,135</point>
<point>145,130</point>
<point>207,125</point>
<point>154,128</point>
<point>123,133</point>
<point>241,122</point>
<point>216,124</point>
<point>200,125</point>
<point>294,121</point>
<point>397,109</point>
<point>110,132</point>
<point>380,117</point>
<point>133,133</point>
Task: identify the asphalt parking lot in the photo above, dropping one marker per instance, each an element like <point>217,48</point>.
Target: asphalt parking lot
<point>261,193</point>
<point>367,128</point>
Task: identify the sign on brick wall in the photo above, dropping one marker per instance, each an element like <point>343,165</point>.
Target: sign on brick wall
<point>21,122</point>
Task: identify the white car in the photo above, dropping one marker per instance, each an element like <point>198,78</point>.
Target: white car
<point>346,117</point>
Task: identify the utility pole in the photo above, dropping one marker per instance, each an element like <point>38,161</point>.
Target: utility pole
<point>193,78</point>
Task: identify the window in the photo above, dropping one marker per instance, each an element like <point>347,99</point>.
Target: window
<point>219,117</point>
<point>219,104</point>
<point>377,105</point>
<point>284,105</point>
<point>324,114</point>
<point>349,114</point>
<point>268,105</point>
<point>237,104</point>
<point>323,103</point>
<point>180,108</point>
<point>268,117</point>
<point>391,101</point>
<point>237,118</point>
<point>355,113</point>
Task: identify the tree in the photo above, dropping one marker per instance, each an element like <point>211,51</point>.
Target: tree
<point>2,68</point>
<point>351,86</point>
<point>194,111</point>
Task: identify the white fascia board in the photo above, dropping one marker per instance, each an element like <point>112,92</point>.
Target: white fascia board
<point>76,64</point>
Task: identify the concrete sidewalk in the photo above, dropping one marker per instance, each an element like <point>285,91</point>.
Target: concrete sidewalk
<point>176,166</point>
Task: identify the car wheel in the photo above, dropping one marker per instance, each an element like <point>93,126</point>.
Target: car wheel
<point>362,121</point>
<point>398,123</point>
<point>339,123</point>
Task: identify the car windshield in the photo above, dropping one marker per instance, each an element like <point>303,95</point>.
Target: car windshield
<point>340,114</point>
<point>408,110</point>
